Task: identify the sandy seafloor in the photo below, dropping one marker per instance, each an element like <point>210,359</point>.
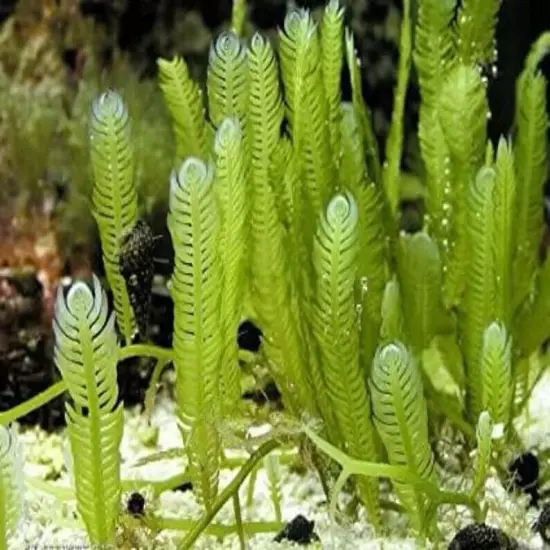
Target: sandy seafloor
<point>50,524</point>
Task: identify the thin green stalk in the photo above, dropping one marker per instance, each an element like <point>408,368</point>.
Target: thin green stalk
<point>151,393</point>
<point>351,466</point>
<point>239,520</point>
<point>146,350</point>
<point>158,487</point>
<point>33,403</point>
<point>228,492</point>
<point>215,529</point>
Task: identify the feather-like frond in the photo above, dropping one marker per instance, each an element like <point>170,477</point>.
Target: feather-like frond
<point>484,435</point>
<point>531,323</point>
<point>231,187</point>
<point>371,144</point>
<point>419,269</point>
<point>302,70</point>
<point>504,233</point>
<point>497,373</point>
<point>194,223</point>
<point>434,58</point>
<point>391,313</point>
<point>296,39</point>
<point>332,46</point>
<point>394,142</point>
<point>269,265</point>
<point>183,98</point>
<point>531,163</point>
<point>334,321</point>
<point>401,418</point>
<point>114,194</point>
<point>479,295</point>
<point>238,16</point>
<point>433,47</point>
<point>86,354</point>
<point>475,31</point>
<point>463,116</point>
<point>227,79</point>
<point>440,215</point>
<point>373,268</point>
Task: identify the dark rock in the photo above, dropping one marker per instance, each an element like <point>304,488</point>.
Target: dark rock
<point>479,536</point>
<point>299,530</point>
<point>136,504</point>
<point>184,487</point>
<point>270,393</point>
<point>249,336</point>
<point>542,525</point>
<point>525,475</point>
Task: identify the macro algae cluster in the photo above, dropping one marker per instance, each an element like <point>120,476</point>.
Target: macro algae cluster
<point>402,359</point>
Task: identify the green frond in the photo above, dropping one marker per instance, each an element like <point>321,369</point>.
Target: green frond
<point>11,485</point>
<point>335,326</point>
<point>504,233</point>
<point>231,189</point>
<point>308,110</point>
<point>475,31</point>
<point>371,144</point>
<point>227,79</point>
<point>496,367</point>
<point>401,418</point>
<point>391,313</point>
<point>332,46</point>
<point>484,435</point>
<point>86,354</point>
<point>296,40</point>
<point>463,116</point>
<point>266,108</point>
<point>194,224</point>
<point>283,174</point>
<point>183,99</point>
<point>269,262</point>
<point>531,163</point>
<point>419,269</point>
<point>272,286</point>
<point>270,267</point>
<point>394,142</point>
<point>440,217</point>
<point>434,52</point>
<point>238,16</point>
<point>353,166</point>
<point>434,58</point>
<point>373,267</point>
<point>531,323</point>
<point>114,195</point>
<point>479,295</point>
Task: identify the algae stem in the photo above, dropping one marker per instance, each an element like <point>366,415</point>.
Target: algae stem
<point>215,529</point>
<point>145,350</point>
<point>33,403</point>
<point>228,492</point>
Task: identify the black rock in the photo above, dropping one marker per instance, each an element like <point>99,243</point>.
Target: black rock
<point>184,487</point>
<point>479,536</point>
<point>269,393</point>
<point>542,525</point>
<point>136,504</point>
<point>299,530</point>
<point>525,474</point>
<point>249,336</point>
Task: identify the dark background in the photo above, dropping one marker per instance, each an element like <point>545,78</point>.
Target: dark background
<point>134,21</point>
